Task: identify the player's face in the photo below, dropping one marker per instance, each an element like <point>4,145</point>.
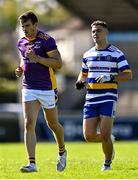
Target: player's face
<point>29,28</point>
<point>99,33</point>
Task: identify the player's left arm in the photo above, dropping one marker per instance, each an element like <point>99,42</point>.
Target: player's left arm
<point>123,76</point>
<point>54,59</point>
<point>120,77</point>
<point>124,72</point>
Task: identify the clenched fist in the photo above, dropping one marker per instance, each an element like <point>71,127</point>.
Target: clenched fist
<point>18,71</point>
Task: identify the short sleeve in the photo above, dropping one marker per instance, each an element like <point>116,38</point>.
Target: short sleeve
<point>123,64</point>
<point>50,44</point>
<point>20,48</point>
<point>84,66</point>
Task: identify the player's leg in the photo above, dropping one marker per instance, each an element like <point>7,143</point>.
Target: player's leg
<point>90,126</point>
<point>106,130</point>
<point>53,123</point>
<point>30,111</point>
<point>107,145</point>
<point>91,122</point>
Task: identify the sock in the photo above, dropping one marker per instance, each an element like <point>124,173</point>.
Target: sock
<point>32,160</point>
<point>61,150</point>
<point>107,162</point>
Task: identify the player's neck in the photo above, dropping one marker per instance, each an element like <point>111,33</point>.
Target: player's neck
<point>101,45</point>
<point>32,36</point>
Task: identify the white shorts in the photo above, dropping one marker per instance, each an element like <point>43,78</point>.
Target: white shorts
<point>45,97</point>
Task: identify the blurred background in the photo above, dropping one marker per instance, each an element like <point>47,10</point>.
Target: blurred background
<point>68,21</point>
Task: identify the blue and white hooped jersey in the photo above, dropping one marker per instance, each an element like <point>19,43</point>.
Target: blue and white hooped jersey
<point>102,62</point>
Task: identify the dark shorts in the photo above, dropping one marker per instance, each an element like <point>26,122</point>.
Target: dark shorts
<point>95,110</point>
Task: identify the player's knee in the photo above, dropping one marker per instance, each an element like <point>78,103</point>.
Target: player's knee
<point>29,125</point>
<point>89,137</point>
<point>105,137</point>
<point>53,126</point>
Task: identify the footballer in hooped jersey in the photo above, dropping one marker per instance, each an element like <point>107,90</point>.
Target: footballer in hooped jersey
<point>103,66</point>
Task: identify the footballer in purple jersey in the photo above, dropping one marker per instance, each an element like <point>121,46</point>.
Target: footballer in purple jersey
<point>40,57</point>
<point>100,76</point>
<point>36,75</point>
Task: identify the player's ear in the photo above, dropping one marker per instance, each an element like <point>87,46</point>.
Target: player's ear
<point>36,24</point>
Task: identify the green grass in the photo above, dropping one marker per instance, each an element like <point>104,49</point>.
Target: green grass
<point>84,161</point>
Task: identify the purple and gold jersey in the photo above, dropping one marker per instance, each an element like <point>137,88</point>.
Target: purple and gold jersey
<point>38,76</point>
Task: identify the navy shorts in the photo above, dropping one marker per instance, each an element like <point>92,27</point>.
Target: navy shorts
<point>95,110</point>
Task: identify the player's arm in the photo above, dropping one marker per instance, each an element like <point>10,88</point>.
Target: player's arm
<point>82,77</point>
<point>124,73</point>
<point>19,69</point>
<point>54,59</point>
<point>123,76</point>
<point>120,77</point>
<point>81,82</point>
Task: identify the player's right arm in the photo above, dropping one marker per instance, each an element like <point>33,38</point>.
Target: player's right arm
<point>81,82</point>
<point>19,69</point>
<point>82,77</point>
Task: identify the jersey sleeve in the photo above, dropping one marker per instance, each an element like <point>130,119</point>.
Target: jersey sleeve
<point>123,65</point>
<point>50,44</point>
<point>84,66</point>
<point>20,48</point>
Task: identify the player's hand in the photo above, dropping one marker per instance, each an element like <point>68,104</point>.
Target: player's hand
<point>18,71</point>
<point>80,85</point>
<point>104,78</point>
<point>30,54</point>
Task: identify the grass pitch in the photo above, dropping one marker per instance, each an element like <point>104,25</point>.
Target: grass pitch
<point>84,161</point>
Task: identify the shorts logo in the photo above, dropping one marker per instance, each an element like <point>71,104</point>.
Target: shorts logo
<point>49,105</point>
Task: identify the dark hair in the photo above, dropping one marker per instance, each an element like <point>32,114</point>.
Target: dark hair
<point>101,23</point>
<point>29,15</point>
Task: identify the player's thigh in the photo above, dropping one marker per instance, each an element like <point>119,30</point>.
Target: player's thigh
<point>106,123</point>
<point>30,111</point>
<point>107,113</point>
<point>90,118</point>
<point>51,115</point>
<point>90,125</point>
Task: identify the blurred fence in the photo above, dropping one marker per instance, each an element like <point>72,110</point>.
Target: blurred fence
<point>11,125</point>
